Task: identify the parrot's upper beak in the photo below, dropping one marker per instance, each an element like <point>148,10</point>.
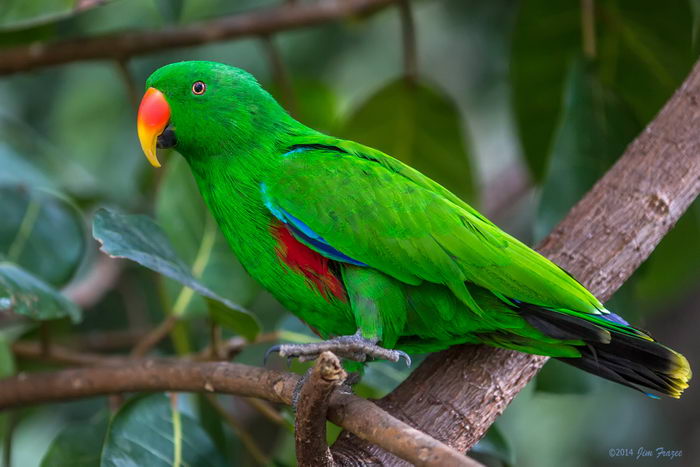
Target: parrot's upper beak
<point>153,118</point>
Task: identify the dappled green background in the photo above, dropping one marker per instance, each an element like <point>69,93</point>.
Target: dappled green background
<point>507,112</point>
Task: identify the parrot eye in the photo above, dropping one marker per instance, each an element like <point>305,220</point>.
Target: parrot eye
<point>198,88</point>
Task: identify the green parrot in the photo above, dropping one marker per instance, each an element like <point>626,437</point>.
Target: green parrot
<point>371,254</point>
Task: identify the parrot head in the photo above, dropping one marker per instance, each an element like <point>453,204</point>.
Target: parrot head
<point>204,109</point>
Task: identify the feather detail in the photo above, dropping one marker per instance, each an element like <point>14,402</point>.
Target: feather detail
<point>306,261</point>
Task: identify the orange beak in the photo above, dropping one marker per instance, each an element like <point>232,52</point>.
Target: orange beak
<point>153,117</point>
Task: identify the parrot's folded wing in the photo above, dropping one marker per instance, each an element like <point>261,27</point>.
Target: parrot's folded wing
<point>358,205</point>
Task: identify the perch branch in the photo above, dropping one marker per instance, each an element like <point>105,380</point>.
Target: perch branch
<point>312,407</point>
<point>121,46</point>
<point>456,395</point>
<point>352,413</point>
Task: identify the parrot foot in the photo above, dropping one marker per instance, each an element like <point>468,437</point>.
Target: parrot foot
<point>353,347</point>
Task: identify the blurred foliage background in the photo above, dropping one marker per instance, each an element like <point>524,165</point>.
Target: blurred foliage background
<point>518,106</point>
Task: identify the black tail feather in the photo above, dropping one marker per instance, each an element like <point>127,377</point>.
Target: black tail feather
<point>625,355</point>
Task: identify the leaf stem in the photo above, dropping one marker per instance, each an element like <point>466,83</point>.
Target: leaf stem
<point>24,231</point>
<point>177,431</point>
<point>151,339</point>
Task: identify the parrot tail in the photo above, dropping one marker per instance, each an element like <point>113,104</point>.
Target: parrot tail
<point>614,350</point>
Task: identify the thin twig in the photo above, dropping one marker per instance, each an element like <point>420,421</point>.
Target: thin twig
<point>45,339</point>
<point>215,350</point>
<point>240,431</point>
<point>125,45</point>
<point>129,83</point>
<point>588,28</point>
<point>155,336</point>
<point>280,75</point>
<point>62,355</point>
<point>233,346</point>
<point>106,341</point>
<point>67,356</point>
<point>267,410</point>
<point>312,407</point>
<point>89,290</point>
<point>408,36</point>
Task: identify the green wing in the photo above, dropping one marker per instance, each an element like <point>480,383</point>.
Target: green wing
<point>381,212</point>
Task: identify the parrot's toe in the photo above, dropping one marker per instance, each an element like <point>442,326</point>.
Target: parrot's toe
<point>353,347</point>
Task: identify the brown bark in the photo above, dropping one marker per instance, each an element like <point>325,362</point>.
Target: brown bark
<point>457,394</point>
<point>311,411</point>
<point>354,414</point>
<point>121,46</point>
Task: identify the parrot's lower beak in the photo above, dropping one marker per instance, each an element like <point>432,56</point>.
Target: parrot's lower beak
<point>153,118</point>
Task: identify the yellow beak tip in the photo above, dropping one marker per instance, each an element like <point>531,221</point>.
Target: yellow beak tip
<point>153,159</point>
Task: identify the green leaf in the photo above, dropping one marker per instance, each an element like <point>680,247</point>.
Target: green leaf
<point>26,295</point>
<point>493,446</point>
<point>420,126</point>
<point>151,431</point>
<point>212,422</point>
<point>593,131</point>
<point>42,232</point>
<point>19,170</point>
<point>642,56</point>
<point>79,444</point>
<point>139,239</point>
<point>545,39</point>
<point>559,378</point>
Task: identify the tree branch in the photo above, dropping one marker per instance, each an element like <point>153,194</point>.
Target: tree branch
<point>312,407</point>
<point>354,414</point>
<point>121,46</point>
<point>456,395</point>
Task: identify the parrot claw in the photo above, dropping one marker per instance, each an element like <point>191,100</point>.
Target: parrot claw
<point>270,351</point>
<point>353,347</point>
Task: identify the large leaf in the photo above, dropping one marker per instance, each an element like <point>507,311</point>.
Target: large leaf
<point>642,56</point>
<point>151,431</point>
<point>139,239</point>
<point>594,129</point>
<point>42,232</point>
<point>26,295</point>
<point>79,444</point>
<point>197,240</point>
<point>19,170</point>
<point>418,125</point>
